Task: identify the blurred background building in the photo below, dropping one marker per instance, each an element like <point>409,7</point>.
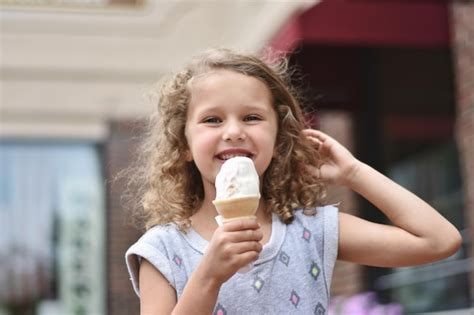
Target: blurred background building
<point>392,80</point>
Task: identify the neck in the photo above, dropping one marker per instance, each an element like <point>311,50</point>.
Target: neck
<point>262,215</point>
<point>207,211</point>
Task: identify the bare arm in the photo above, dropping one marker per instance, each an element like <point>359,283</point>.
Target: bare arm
<point>157,296</point>
<point>419,234</point>
<point>233,246</point>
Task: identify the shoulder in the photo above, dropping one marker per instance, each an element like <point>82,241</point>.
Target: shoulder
<point>154,246</point>
<point>160,239</point>
<point>160,234</point>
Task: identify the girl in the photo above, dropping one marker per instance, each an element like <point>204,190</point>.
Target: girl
<point>225,104</point>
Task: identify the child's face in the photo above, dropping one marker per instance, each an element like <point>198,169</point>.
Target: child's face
<point>229,114</point>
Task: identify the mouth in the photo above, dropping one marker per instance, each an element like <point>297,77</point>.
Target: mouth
<point>228,154</point>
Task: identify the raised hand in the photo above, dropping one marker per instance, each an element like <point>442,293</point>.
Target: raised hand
<point>419,234</point>
<point>339,166</point>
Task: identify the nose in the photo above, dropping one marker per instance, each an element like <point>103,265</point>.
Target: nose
<point>234,131</point>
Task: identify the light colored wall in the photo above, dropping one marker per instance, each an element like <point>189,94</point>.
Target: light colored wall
<point>66,72</point>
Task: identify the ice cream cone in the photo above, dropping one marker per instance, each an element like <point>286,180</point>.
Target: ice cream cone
<point>237,208</point>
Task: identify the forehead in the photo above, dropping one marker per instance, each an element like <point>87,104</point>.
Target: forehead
<point>228,85</point>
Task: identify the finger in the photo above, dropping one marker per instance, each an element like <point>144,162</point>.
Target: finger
<point>246,258</point>
<point>316,134</point>
<point>317,143</point>
<point>244,247</point>
<point>239,225</point>
<point>315,171</point>
<point>315,137</point>
<point>245,236</point>
<point>312,132</point>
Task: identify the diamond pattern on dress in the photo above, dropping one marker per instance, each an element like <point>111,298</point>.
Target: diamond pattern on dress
<point>258,284</point>
<point>319,310</point>
<point>294,298</point>
<point>177,260</point>
<point>284,258</point>
<point>220,310</point>
<point>314,271</point>
<point>306,235</point>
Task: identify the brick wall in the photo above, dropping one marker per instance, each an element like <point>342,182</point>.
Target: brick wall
<point>462,16</point>
<point>120,235</point>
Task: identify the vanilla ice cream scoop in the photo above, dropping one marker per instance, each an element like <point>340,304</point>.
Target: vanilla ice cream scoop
<point>237,178</point>
<point>237,189</point>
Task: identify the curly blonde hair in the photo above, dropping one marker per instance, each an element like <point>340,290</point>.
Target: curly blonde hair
<point>170,187</point>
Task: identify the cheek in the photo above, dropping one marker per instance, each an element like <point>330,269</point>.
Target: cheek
<point>200,142</point>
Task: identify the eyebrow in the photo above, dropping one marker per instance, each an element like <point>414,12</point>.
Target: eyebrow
<point>255,107</point>
<point>245,106</point>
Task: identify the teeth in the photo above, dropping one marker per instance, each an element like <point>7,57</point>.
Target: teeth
<point>229,156</point>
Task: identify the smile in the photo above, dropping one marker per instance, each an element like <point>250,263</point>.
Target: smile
<point>228,154</point>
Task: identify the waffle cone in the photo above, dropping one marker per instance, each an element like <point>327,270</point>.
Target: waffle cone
<point>237,208</point>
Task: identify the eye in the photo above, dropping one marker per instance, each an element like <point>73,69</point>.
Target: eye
<point>211,120</point>
<point>252,118</point>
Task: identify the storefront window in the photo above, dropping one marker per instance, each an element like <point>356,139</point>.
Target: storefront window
<point>52,240</point>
